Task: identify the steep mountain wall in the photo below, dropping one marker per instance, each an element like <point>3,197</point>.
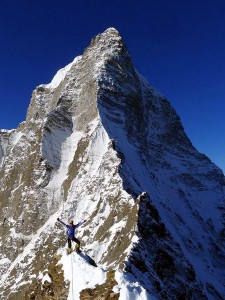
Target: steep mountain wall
<point>99,143</point>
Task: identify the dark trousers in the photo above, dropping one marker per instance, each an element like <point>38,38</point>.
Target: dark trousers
<point>70,239</point>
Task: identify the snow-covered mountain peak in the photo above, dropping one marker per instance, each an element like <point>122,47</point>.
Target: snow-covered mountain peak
<point>100,143</point>
<point>109,37</point>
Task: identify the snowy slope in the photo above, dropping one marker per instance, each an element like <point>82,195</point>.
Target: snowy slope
<point>100,143</point>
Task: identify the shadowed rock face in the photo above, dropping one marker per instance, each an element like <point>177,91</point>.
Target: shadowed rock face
<point>100,141</point>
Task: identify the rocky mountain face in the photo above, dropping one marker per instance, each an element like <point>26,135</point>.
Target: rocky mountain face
<point>100,143</point>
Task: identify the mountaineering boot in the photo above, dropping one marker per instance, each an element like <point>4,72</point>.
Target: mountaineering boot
<point>69,250</point>
<point>77,248</point>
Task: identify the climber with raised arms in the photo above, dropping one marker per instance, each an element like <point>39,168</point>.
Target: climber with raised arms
<point>71,234</point>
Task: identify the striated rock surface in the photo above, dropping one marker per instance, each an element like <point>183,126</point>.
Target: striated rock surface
<point>100,143</point>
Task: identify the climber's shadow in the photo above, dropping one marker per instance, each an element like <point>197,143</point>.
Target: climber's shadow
<point>87,258</point>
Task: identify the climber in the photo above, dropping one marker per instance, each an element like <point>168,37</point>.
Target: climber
<point>70,232</point>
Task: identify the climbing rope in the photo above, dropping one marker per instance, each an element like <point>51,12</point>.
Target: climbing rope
<point>72,275</point>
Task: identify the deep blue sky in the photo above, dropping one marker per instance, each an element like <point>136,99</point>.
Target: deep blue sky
<point>179,46</point>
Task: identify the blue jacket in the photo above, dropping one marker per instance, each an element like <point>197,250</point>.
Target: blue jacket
<point>71,228</point>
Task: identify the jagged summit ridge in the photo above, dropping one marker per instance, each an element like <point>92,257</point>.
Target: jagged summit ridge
<point>100,143</point>
<point>90,65</point>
